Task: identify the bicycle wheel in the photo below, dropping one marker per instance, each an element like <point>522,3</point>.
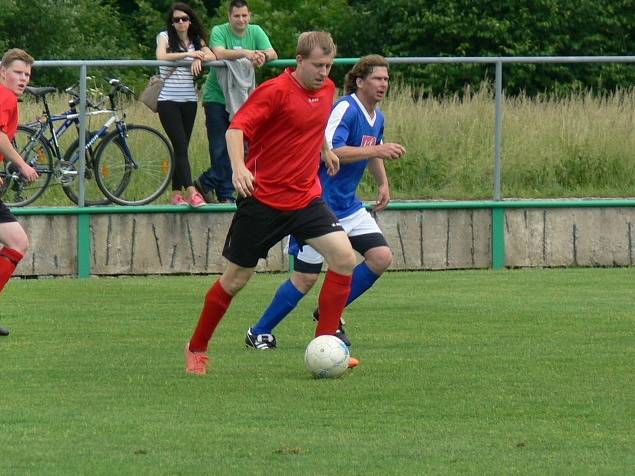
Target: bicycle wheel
<point>135,169</point>
<point>16,191</point>
<point>69,173</point>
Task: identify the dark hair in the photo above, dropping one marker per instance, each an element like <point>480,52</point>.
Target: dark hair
<point>195,32</point>
<point>361,70</point>
<point>237,4</point>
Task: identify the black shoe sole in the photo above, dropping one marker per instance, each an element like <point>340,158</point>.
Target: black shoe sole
<point>4,332</point>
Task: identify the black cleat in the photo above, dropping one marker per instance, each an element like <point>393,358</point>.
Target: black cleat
<point>339,333</point>
<point>260,341</point>
<point>4,331</point>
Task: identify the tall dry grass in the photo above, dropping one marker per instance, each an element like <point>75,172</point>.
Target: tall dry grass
<point>581,145</point>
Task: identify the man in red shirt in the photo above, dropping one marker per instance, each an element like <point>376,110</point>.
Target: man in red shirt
<point>15,73</point>
<point>279,191</point>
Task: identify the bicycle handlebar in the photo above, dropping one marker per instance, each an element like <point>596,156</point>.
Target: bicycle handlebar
<point>116,86</point>
<point>75,95</point>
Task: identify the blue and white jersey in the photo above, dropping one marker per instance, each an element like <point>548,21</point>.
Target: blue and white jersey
<point>349,125</point>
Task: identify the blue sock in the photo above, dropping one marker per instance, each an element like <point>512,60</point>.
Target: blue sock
<point>363,279</point>
<point>284,301</point>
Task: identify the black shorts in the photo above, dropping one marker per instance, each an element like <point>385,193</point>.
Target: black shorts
<point>256,227</point>
<point>5,214</point>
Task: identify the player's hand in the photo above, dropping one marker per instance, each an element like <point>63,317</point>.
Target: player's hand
<point>390,151</point>
<point>29,173</point>
<point>383,198</point>
<point>332,162</point>
<point>243,181</point>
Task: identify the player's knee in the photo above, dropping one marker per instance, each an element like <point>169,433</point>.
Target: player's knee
<point>379,260</point>
<point>232,283</point>
<point>343,261</point>
<point>18,242</point>
<point>22,246</point>
<point>304,281</point>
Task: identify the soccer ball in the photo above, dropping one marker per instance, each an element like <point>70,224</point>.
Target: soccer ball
<point>326,357</point>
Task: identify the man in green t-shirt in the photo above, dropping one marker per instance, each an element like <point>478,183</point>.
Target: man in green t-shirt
<point>229,41</point>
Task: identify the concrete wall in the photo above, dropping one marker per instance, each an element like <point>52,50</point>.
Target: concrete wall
<point>429,239</point>
<point>570,237</point>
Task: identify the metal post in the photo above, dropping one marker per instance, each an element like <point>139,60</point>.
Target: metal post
<point>82,132</point>
<point>83,221</point>
<point>83,245</point>
<point>498,129</point>
<point>498,238</point>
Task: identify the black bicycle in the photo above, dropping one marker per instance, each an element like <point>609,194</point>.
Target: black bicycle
<point>130,164</point>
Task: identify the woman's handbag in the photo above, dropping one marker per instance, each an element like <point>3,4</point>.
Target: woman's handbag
<point>150,95</point>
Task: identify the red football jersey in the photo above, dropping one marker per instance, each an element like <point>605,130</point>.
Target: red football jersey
<point>8,113</point>
<point>284,124</point>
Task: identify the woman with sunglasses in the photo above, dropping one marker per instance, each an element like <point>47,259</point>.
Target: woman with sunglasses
<point>186,40</point>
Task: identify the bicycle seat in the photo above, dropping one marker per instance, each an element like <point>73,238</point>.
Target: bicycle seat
<point>41,91</point>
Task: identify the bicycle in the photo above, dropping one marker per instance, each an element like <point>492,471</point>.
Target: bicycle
<point>131,165</point>
<point>38,142</point>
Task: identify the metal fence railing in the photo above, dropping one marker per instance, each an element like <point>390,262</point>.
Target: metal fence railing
<point>497,206</point>
<point>83,66</point>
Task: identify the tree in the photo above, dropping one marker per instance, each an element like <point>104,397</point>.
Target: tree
<point>65,29</point>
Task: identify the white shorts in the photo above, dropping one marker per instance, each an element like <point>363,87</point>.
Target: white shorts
<point>359,223</point>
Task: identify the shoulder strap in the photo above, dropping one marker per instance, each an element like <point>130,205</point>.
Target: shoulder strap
<point>170,73</point>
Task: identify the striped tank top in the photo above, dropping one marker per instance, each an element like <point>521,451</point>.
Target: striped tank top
<point>178,86</point>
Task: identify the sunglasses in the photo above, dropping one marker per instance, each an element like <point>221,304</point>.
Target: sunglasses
<point>180,19</point>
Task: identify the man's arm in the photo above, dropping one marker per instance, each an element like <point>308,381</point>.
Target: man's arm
<point>270,54</point>
<point>9,153</point>
<point>388,151</point>
<point>257,57</point>
<point>223,53</point>
<point>330,158</point>
<point>242,178</point>
<point>376,167</point>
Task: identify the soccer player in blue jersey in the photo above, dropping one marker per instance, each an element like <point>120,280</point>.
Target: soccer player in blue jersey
<point>355,134</point>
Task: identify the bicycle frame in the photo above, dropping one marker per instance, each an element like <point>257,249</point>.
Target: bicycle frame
<point>69,118</point>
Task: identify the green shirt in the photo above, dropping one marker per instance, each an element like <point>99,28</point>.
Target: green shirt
<point>222,35</point>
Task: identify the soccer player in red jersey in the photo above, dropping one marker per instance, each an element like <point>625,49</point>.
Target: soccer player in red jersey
<point>283,122</point>
<point>15,73</point>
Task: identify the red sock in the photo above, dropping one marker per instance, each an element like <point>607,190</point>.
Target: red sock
<point>9,259</point>
<point>331,303</point>
<point>217,301</point>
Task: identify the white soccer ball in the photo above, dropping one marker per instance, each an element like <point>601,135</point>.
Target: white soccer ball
<point>326,357</point>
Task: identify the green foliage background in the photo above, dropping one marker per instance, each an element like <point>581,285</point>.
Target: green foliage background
<point>100,29</point>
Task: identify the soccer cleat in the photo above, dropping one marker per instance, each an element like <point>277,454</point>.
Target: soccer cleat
<point>339,333</point>
<point>4,331</point>
<point>260,341</point>
<point>352,362</point>
<point>195,362</point>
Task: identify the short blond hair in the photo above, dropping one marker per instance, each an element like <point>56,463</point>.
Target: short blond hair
<point>309,40</point>
<point>16,54</point>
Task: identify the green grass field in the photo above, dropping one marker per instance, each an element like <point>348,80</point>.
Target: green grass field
<point>463,372</point>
